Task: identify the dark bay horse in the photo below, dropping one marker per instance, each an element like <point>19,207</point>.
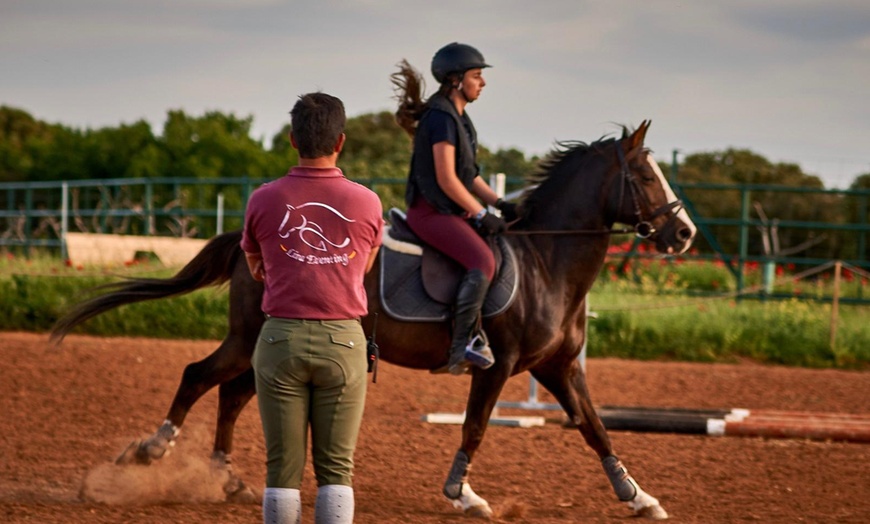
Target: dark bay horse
<point>568,211</point>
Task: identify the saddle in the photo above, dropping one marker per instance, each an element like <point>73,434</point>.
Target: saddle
<point>419,284</point>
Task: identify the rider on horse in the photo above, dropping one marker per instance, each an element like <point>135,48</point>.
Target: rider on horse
<point>442,185</point>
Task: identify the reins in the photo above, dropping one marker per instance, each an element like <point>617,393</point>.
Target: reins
<point>570,231</point>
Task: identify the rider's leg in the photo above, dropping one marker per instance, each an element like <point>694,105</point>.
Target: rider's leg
<point>469,301</point>
<point>455,237</point>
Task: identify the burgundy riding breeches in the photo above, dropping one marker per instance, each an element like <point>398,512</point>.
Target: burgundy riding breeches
<point>451,235</point>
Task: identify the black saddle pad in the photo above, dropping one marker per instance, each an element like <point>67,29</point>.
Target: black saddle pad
<point>403,296</point>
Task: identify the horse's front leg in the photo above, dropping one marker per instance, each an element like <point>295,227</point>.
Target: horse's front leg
<point>568,385</point>
<point>486,386</point>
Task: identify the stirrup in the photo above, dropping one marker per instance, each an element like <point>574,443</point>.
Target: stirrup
<point>478,351</point>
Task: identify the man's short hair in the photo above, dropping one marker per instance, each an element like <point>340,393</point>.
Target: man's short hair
<point>316,122</point>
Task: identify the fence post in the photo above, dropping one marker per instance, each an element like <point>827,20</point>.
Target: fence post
<point>744,237</point>
<point>64,218</point>
<point>28,206</point>
<point>835,304</point>
<point>220,214</point>
<point>150,226</point>
<point>862,236</point>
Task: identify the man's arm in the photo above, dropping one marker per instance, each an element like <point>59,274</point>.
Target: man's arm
<point>372,256</point>
<point>255,266</point>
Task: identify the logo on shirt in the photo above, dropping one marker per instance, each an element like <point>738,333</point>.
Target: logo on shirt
<point>312,234</point>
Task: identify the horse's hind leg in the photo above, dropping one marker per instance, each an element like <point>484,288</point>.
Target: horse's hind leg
<point>233,397</point>
<point>568,385</point>
<point>229,360</point>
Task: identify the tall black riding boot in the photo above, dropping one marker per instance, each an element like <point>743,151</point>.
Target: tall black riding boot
<point>469,300</point>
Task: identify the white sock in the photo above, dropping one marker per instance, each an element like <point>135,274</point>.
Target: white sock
<point>282,506</point>
<point>334,505</point>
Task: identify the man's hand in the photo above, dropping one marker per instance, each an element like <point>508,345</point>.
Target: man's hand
<point>255,266</point>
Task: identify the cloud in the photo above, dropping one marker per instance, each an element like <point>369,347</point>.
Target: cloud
<point>783,77</point>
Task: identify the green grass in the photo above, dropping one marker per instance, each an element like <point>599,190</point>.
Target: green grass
<point>35,293</point>
<point>656,316</point>
<point>634,323</point>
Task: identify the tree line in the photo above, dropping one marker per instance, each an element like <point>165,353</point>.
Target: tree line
<point>219,145</point>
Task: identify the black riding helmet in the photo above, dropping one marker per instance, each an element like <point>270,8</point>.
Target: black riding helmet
<point>456,58</point>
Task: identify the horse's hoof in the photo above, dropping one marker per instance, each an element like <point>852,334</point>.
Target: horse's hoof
<point>237,492</point>
<point>131,455</point>
<point>243,495</point>
<point>653,512</point>
<point>647,506</point>
<point>471,504</point>
<point>483,512</point>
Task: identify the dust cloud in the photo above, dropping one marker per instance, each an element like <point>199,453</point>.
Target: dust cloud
<point>183,475</point>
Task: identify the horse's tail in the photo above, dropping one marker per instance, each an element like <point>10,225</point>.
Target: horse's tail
<point>408,85</point>
<point>211,266</point>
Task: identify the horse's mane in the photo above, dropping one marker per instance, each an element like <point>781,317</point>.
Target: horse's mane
<point>565,158</point>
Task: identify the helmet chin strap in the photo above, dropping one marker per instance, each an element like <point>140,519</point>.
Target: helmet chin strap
<point>458,86</point>
<point>462,92</point>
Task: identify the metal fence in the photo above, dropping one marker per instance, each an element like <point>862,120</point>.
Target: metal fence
<point>37,215</point>
<point>846,235</point>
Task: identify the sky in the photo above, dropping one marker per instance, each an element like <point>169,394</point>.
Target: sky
<point>787,79</point>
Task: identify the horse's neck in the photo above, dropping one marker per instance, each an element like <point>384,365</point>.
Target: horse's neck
<point>572,218</point>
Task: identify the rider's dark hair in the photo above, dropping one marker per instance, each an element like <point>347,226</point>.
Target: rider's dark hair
<point>408,85</point>
<point>316,123</point>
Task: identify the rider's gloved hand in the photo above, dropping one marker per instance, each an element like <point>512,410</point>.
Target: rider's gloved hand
<point>508,210</point>
<point>489,224</point>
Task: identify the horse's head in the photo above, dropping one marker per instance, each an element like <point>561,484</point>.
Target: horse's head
<point>584,188</point>
<point>644,199</point>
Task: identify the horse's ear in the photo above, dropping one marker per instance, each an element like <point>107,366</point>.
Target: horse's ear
<point>638,136</point>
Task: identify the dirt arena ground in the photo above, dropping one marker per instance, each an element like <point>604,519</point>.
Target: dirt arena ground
<point>69,410</point>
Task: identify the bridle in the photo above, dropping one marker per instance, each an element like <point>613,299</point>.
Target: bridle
<point>644,227</point>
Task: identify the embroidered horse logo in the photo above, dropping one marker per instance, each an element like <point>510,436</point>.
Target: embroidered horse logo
<point>310,233</point>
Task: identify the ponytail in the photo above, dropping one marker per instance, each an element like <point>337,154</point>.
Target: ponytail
<point>408,85</point>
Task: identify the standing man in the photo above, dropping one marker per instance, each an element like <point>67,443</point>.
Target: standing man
<point>310,237</point>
